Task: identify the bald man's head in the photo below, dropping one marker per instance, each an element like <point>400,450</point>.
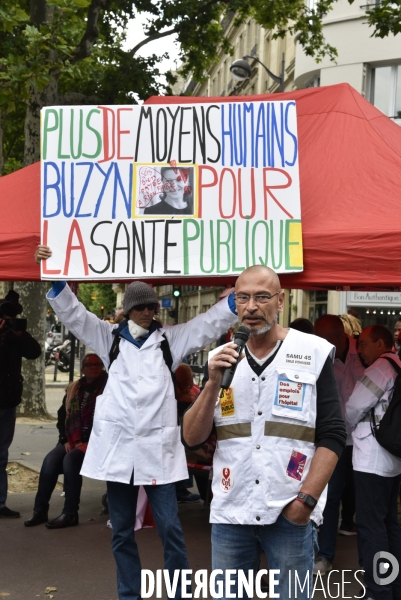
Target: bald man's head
<point>259,299</point>
<point>265,272</point>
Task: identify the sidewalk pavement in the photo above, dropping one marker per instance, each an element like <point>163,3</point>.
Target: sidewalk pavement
<point>78,560</point>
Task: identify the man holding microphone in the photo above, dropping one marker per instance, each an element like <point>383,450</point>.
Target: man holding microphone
<point>279,435</point>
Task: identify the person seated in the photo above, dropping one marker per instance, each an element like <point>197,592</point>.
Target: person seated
<point>75,418</point>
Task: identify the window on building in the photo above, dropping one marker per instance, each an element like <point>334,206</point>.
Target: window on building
<point>313,82</point>
<point>317,305</point>
<point>385,90</point>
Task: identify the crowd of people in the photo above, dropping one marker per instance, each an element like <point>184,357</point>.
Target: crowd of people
<point>291,439</point>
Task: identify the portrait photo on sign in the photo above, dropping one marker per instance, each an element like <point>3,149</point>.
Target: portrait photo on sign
<point>167,189</point>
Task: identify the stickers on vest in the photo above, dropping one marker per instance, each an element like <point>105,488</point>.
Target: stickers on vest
<point>226,479</point>
<point>296,465</point>
<point>289,394</point>
<point>227,403</point>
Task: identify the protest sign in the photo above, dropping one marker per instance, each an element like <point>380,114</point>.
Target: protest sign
<point>150,191</point>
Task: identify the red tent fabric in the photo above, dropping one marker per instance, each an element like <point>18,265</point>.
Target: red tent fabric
<point>350,173</point>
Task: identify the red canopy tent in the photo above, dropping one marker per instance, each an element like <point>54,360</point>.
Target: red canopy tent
<point>350,174</point>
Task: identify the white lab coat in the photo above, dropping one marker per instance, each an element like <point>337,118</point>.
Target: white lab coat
<point>374,390</point>
<point>135,425</point>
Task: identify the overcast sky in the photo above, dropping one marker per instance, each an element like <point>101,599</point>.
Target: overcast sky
<point>136,35</point>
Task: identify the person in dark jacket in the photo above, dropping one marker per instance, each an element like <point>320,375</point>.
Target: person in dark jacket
<point>75,419</point>
<point>15,344</point>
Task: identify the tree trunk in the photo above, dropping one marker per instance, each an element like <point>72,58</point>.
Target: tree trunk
<point>49,97</point>
<point>33,299</point>
<point>33,295</point>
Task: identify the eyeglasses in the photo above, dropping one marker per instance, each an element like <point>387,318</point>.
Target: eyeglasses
<point>258,298</point>
<point>97,364</point>
<point>150,306</point>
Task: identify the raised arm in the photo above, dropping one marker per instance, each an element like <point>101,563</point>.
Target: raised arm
<point>190,337</point>
<point>86,326</point>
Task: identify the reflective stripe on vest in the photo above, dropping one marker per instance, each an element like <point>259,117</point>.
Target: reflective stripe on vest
<point>287,430</point>
<point>371,386</point>
<point>272,428</point>
<point>228,432</point>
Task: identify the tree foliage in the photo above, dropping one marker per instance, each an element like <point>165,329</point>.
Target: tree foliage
<point>385,18</point>
<point>79,43</point>
<point>95,295</point>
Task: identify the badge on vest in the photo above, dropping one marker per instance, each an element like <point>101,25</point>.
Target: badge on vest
<point>289,394</point>
<point>227,403</point>
<point>298,359</point>
<point>296,466</point>
<point>226,479</point>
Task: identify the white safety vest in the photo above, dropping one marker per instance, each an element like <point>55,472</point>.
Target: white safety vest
<point>135,425</point>
<point>266,433</point>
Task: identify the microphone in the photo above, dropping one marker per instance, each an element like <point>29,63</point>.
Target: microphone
<point>241,338</point>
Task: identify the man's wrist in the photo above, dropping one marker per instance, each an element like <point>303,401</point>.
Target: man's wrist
<point>307,500</point>
<point>213,386</point>
<point>56,289</point>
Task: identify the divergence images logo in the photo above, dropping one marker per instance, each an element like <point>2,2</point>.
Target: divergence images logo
<point>383,568</point>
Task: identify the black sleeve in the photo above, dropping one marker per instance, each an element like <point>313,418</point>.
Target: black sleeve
<point>330,425</point>
<point>61,416</point>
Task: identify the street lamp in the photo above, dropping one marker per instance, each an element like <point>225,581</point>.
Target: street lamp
<point>241,70</point>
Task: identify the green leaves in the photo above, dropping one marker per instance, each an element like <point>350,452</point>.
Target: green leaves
<point>11,15</point>
<point>95,295</point>
<point>73,49</point>
<point>385,18</point>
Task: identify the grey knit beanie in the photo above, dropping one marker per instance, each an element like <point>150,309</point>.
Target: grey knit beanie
<point>137,293</point>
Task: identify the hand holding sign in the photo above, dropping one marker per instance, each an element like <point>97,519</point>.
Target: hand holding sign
<point>42,253</point>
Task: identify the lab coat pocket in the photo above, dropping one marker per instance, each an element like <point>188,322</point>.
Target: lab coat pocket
<point>103,441</point>
<point>293,394</point>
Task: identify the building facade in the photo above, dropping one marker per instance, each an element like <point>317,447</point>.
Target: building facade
<point>371,65</point>
<point>252,40</point>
